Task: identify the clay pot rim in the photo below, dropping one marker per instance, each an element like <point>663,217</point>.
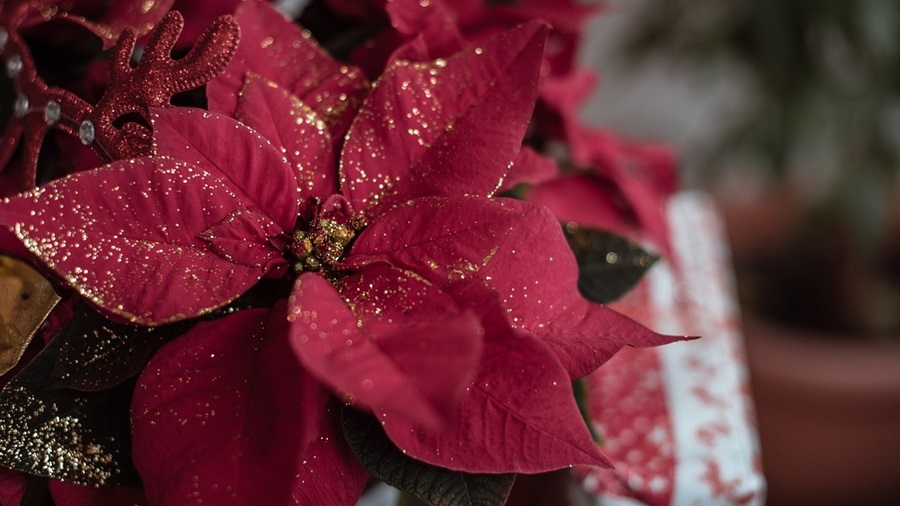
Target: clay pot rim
<point>816,363</point>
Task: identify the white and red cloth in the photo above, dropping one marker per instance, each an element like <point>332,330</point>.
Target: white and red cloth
<point>677,421</point>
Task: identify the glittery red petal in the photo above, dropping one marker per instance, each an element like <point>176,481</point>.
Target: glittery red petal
<point>295,129</point>
<point>131,244</point>
<point>586,199</point>
<point>518,250</point>
<point>519,415</point>
<point>447,127</point>
<point>245,161</point>
<point>280,51</point>
<point>407,330</point>
<point>226,415</point>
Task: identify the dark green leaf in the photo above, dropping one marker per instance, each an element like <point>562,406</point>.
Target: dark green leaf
<point>97,353</point>
<point>81,437</point>
<point>434,485</point>
<point>608,265</point>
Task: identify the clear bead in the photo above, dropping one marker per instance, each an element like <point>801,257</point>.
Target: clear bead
<point>13,65</point>
<point>52,112</point>
<point>21,106</point>
<point>86,132</point>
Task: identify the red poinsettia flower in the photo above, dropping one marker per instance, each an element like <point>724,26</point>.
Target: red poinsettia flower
<point>276,50</point>
<point>450,315</point>
<point>440,26</point>
<point>625,190</point>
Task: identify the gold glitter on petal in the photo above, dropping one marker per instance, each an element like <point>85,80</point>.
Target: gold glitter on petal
<point>26,298</point>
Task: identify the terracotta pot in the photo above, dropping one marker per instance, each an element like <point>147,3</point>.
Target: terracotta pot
<point>829,416</point>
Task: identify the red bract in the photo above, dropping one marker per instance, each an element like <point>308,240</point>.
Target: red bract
<point>135,250</point>
<point>439,27</point>
<point>12,487</point>
<point>198,15</point>
<point>464,121</point>
<point>382,354</point>
<point>481,18</point>
<point>450,315</point>
<point>624,184</point>
<point>281,52</point>
<point>226,415</point>
<point>71,494</point>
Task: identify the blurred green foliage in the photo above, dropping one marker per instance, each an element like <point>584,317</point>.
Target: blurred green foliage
<point>823,113</point>
<point>825,77</point>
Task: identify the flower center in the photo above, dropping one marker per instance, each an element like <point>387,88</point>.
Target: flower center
<point>320,238</point>
<point>321,245</point>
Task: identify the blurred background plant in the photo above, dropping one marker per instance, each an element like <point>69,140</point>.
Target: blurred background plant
<point>817,127</point>
<point>788,112</point>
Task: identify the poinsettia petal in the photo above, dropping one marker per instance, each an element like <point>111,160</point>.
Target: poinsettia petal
<point>519,415</point>
<point>585,199</point>
<point>413,17</point>
<point>563,97</point>
<point>293,128</point>
<point>431,23</point>
<point>72,494</point>
<point>243,237</point>
<point>447,127</point>
<point>384,353</point>
<point>587,335</point>
<point>227,415</point>
<point>12,487</point>
<point>648,205</point>
<point>519,251</point>
<point>642,176</point>
<point>530,167</point>
<point>133,248</point>
<point>446,239</point>
<point>277,49</point>
<point>241,157</point>
<point>138,14</point>
<point>198,17</point>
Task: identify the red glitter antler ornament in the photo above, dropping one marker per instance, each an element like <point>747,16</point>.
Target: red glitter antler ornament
<point>152,83</point>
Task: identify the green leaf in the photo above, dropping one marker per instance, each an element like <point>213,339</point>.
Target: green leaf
<point>581,398</point>
<point>97,353</point>
<point>65,434</point>
<point>434,485</point>
<point>608,265</point>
